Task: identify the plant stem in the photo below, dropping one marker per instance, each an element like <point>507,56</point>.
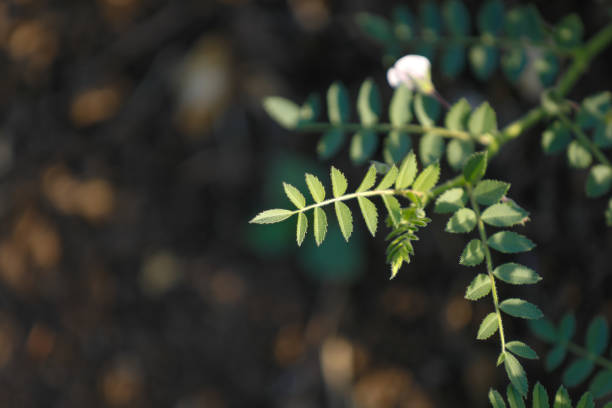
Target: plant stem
<point>583,138</point>
<point>385,127</point>
<point>581,351</point>
<point>358,194</point>
<point>489,262</point>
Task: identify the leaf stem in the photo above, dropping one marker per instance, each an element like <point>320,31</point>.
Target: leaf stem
<point>582,352</point>
<point>385,127</point>
<point>489,262</point>
<point>368,193</point>
<point>584,139</point>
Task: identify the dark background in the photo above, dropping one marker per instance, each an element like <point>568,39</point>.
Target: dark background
<point>133,151</point>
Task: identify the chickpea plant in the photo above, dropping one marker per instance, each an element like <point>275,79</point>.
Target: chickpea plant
<point>478,207</point>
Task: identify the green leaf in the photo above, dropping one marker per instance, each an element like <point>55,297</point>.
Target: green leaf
<point>503,215</point>
<point>450,201</point>
<point>320,225</point>
<point>363,146</point>
<point>597,335</point>
<point>593,109</point>
<point>544,330</point>
<point>453,59</point>
<point>317,191</point>
<point>578,156</point>
<point>370,215</point>
<point>462,221</point>
<point>488,327</point>
<point>586,401</point>
<point>602,136</point>
<point>338,108</point>
<point>394,208</point>
<point>457,116</point>
<point>456,17</point>
<point>483,59</point>
<point>457,152</point>
<point>567,327</point>
<point>399,108</point>
<point>556,138</point>
<point>608,214</point>
<point>294,195</point>
<point>368,103</point>
<point>404,22</point>
<point>562,399</point>
<point>431,20</point>
<point>283,111</point>
<point>339,183</point>
<point>513,62</point>
<point>521,349</point>
<point>311,109</point>
<point>302,227</point>
<point>569,31</point>
<point>491,17</point>
<point>378,28</point>
<point>540,397</point>
<point>547,68</point>
<point>396,145</point>
<point>431,148</point>
<point>330,143</point>
<point>345,219</point>
<point>515,399</point>
<point>555,357</point>
<point>473,254</point>
<point>577,372</point>
<point>521,308</point>
<point>271,216</point>
<point>516,374</point>
<point>496,400</point>
<point>510,242</point>
<point>599,181</point>
<point>389,179</point>
<point>428,178</point>
<point>516,274</point>
<point>483,120</point>
<point>601,385</point>
<point>479,288</point>
<point>407,172</point>
<point>488,192</point>
<point>475,167</point>
<point>427,109</point>
<point>368,181</point>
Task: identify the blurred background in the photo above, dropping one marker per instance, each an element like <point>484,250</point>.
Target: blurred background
<point>133,152</point>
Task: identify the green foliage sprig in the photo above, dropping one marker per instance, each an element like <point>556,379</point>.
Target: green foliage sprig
<point>540,398</point>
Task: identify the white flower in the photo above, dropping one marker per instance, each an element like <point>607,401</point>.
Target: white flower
<point>413,71</point>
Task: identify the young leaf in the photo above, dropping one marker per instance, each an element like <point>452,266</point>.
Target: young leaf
<point>555,357</point>
<point>475,167</point>
<point>503,215</point>
<point>431,148</point>
<point>407,172</point>
<point>597,335</point>
<point>330,143</point>
<point>547,67</point>
<point>515,399</point>
<point>283,111</point>
<point>577,372</point>
<point>399,108</point>
<point>488,327</point>
<point>556,138</point>
<point>368,181</point>
<point>510,242</point>
<point>562,399</point>
<point>521,308</point>
<point>294,195</point>
<point>363,145</point>
<point>368,103</point>
<point>457,116</point>
<point>483,59</point>
<point>339,183</point>
<point>320,225</point>
<point>578,156</point>
<point>271,216</point>
<point>488,192</point>
<point>450,201</point>
<point>483,120</point>
<point>516,274</point>
<point>338,108</point>
<point>428,178</point>
<point>458,151</point>
<point>513,62</point>
<point>317,191</point>
<point>370,215</point>
<point>540,397</point>
<point>345,219</point>
<point>479,288</point>
<point>544,330</point>
<point>601,384</point>
<point>586,401</point>
<point>395,146</point>
<point>302,227</point>
<point>496,400</point>
<point>473,254</point>
<point>389,179</point>
<point>427,109</point>
<point>462,221</point>
<point>394,208</point>
<point>516,374</point>
<point>569,30</point>
<point>599,181</point>
<point>521,349</point>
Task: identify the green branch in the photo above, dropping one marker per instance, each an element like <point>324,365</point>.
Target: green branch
<point>582,352</point>
<point>385,127</point>
<point>586,142</point>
